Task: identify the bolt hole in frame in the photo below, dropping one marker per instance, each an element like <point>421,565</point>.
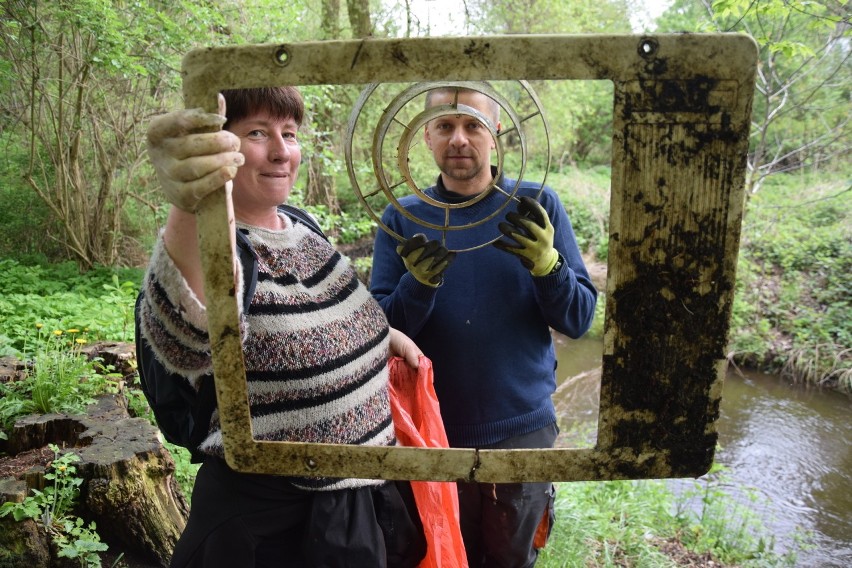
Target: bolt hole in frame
<point>681,109</point>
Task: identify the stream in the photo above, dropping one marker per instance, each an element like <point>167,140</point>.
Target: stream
<point>786,449</point>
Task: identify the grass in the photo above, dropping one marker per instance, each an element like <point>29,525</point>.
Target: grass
<point>646,524</point>
<point>59,378</point>
<point>585,194</point>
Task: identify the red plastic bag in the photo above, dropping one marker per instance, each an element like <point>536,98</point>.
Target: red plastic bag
<point>417,421</point>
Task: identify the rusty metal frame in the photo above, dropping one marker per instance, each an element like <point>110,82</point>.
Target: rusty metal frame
<point>681,122</point>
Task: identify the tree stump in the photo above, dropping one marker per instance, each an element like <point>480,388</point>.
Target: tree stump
<point>129,488</point>
<point>22,543</point>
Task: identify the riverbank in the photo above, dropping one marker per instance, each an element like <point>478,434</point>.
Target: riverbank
<point>779,354</point>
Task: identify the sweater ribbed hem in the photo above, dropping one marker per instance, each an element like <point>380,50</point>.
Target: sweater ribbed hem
<point>478,435</point>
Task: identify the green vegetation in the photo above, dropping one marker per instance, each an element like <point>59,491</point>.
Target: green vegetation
<point>645,523</point>
<point>78,188</point>
<point>793,310</point>
<point>39,299</point>
<point>601,523</point>
<point>59,378</point>
<point>789,234</point>
<point>585,194</point>
<point>72,537</point>
<point>78,194</point>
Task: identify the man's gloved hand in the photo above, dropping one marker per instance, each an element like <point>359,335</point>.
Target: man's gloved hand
<point>191,155</point>
<point>425,260</point>
<point>532,232</point>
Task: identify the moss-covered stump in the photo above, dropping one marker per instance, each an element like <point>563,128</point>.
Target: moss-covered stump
<point>129,488</point>
<point>23,544</point>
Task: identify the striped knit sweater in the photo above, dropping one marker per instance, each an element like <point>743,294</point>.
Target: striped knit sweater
<point>315,344</point>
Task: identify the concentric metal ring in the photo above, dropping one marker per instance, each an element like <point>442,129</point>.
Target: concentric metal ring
<point>388,118</point>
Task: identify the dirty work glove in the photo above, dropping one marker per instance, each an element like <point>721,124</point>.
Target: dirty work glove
<point>532,232</point>
<point>191,155</point>
<point>425,260</point>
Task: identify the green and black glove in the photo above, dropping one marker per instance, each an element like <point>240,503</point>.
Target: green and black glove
<point>425,260</point>
<point>532,232</point>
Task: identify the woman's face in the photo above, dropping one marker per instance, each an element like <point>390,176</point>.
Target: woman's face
<point>272,157</point>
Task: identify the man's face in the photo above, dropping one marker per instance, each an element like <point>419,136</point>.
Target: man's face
<point>460,144</point>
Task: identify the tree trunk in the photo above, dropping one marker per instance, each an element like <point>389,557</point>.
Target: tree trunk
<point>321,189</point>
<point>330,24</point>
<point>129,488</point>
<point>359,18</point>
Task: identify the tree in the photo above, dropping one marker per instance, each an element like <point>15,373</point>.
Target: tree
<point>359,18</point>
<point>325,108</point>
<point>80,80</point>
<point>579,112</point>
<point>330,19</point>
<point>802,100</point>
<point>269,21</point>
<point>548,16</point>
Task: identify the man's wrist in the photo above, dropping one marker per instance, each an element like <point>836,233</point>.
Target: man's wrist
<point>427,281</point>
<point>553,265</point>
<point>557,266</point>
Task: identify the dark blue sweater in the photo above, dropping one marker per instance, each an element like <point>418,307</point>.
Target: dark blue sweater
<point>487,328</point>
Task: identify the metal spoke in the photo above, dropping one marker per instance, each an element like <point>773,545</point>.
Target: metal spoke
<point>409,139</point>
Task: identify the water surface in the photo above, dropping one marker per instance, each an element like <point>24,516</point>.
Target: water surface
<point>787,445</point>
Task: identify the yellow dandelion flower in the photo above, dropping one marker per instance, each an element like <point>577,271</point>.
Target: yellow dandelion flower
<point>57,332</point>
<point>39,325</point>
<point>73,330</point>
<point>81,341</point>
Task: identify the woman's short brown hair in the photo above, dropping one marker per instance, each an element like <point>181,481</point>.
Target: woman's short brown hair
<point>279,102</point>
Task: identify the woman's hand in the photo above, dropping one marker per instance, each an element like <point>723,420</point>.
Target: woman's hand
<point>402,346</point>
<point>192,155</point>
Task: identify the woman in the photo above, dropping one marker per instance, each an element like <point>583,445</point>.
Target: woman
<point>315,346</point>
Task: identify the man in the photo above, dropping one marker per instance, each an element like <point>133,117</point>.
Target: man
<point>484,319</point>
